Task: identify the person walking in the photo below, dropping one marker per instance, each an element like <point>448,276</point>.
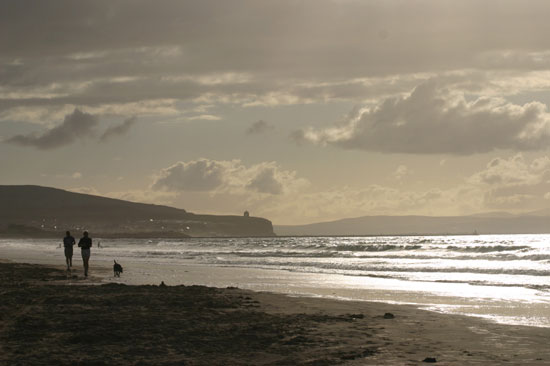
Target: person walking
<point>68,243</point>
<point>85,243</point>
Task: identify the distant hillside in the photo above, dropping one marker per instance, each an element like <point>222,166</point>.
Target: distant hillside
<point>26,209</point>
<point>544,212</point>
<point>403,225</point>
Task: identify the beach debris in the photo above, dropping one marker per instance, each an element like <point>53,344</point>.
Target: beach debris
<point>430,360</point>
<point>389,316</point>
<point>356,316</point>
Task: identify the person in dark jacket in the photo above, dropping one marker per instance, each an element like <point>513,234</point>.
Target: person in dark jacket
<point>85,243</point>
<point>68,243</point>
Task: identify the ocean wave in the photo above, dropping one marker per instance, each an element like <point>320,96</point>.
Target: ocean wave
<point>487,248</point>
<point>372,254</point>
<point>374,248</point>
<point>545,288</point>
<point>394,256</point>
<point>326,254</point>
<point>358,268</point>
<point>163,253</point>
<point>535,257</point>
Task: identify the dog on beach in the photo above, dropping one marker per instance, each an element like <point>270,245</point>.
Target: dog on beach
<point>117,269</point>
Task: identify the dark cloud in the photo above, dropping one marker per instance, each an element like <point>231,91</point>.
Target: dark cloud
<point>126,51</point>
<point>118,130</point>
<point>298,136</point>
<point>258,39</point>
<point>259,127</point>
<point>433,120</point>
<point>77,125</point>
<point>227,176</point>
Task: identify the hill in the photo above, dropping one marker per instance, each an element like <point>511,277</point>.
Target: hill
<point>543,212</point>
<point>424,225</point>
<point>43,211</point>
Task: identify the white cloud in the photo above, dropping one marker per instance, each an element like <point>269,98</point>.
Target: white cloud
<point>267,181</point>
<point>198,175</point>
<point>400,172</point>
<point>229,176</point>
<point>434,120</point>
<point>211,79</point>
<point>85,190</point>
<point>50,114</point>
<point>37,114</point>
<point>514,184</point>
<point>513,171</point>
<point>207,117</point>
<point>511,184</point>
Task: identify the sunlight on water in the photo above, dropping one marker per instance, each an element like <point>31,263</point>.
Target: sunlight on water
<point>504,278</point>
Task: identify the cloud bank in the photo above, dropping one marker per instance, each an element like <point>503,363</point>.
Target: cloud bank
<point>118,56</point>
<point>434,120</point>
<point>514,183</point>
<point>76,126</point>
<point>227,176</point>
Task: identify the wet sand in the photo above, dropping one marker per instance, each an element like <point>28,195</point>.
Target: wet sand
<point>49,318</point>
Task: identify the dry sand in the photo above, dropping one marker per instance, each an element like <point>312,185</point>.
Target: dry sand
<point>48,318</point>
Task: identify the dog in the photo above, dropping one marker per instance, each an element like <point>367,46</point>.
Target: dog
<point>117,269</point>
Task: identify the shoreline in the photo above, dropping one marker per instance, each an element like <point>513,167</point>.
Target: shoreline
<point>42,323</point>
<point>515,306</point>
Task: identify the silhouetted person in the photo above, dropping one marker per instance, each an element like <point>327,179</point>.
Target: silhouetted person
<point>85,243</point>
<point>68,243</point>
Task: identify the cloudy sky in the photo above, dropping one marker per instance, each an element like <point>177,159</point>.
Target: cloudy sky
<point>298,111</point>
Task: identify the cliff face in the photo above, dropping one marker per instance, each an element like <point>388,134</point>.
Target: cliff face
<point>42,210</point>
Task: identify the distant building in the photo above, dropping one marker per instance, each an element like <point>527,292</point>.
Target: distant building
<point>246,214</point>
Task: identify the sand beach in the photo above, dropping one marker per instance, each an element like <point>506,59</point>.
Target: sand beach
<point>50,318</point>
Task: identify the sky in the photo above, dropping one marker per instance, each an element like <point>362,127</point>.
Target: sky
<point>297,111</point>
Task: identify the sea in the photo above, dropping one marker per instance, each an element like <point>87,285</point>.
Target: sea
<point>503,278</point>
